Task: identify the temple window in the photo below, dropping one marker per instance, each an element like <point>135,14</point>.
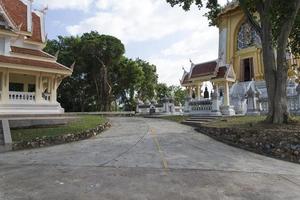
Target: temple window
<point>247,37</point>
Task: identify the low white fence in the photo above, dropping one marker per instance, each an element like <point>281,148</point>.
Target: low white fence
<point>201,105</point>
<point>21,97</point>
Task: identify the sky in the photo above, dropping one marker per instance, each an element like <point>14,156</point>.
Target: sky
<point>150,29</point>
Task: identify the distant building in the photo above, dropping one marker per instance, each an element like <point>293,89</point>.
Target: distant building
<point>238,69</point>
<point>29,77</point>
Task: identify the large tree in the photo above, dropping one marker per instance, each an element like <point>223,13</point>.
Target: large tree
<point>101,76</point>
<point>278,25</point>
<point>73,93</point>
<point>127,80</point>
<point>147,90</point>
<point>101,53</point>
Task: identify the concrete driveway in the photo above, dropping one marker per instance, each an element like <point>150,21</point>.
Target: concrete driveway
<point>141,159</point>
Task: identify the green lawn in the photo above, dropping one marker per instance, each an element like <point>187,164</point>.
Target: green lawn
<point>84,123</point>
<point>176,118</point>
<point>246,122</point>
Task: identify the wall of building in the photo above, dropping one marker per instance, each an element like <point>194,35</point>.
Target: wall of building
<point>232,21</point>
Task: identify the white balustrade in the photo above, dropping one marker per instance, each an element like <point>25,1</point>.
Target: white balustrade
<point>202,105</point>
<point>46,96</point>
<point>21,97</point>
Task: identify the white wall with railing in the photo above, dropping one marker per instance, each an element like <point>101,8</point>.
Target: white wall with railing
<point>21,97</point>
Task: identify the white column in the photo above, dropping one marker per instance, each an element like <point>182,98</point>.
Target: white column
<point>54,90</point>
<point>226,94</point>
<point>199,91</point>
<point>191,91</point>
<point>5,87</point>
<point>38,89</point>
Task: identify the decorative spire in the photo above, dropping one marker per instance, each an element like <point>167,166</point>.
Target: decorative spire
<point>56,54</point>
<point>72,66</point>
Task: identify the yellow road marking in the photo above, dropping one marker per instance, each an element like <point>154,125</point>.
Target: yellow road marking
<point>161,153</point>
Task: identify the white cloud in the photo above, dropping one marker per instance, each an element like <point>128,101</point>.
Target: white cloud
<point>199,46</point>
<point>65,4</point>
<point>143,21</point>
<point>138,20</point>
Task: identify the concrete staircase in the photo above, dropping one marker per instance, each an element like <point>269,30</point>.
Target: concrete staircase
<point>200,120</point>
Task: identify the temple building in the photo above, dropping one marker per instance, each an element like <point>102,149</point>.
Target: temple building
<point>237,72</point>
<point>29,76</point>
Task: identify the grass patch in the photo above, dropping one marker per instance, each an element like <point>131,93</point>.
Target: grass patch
<point>176,118</point>
<point>84,123</point>
<point>253,122</point>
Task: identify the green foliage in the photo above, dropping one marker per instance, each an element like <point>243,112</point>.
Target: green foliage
<point>179,95</point>
<point>82,124</point>
<point>100,54</point>
<point>147,90</point>
<point>102,75</point>
<point>162,91</point>
<point>127,80</point>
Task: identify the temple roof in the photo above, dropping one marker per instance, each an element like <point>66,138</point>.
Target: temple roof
<point>16,11</point>
<point>204,69</point>
<point>221,72</point>
<point>32,63</point>
<point>32,52</point>
<point>185,79</point>
<point>208,71</point>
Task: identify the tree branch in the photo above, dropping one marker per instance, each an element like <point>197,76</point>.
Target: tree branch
<point>250,17</point>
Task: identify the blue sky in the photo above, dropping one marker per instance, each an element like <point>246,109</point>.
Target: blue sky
<point>150,29</point>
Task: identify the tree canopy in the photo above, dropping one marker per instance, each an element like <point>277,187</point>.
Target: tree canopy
<point>103,76</point>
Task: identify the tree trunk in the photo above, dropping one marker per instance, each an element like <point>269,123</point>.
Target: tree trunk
<point>276,73</point>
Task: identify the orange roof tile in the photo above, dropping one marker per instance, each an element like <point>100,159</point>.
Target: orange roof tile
<point>32,63</point>
<point>204,69</point>
<point>32,52</point>
<point>16,11</point>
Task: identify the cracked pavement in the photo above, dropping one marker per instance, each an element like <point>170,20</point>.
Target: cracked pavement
<point>149,159</point>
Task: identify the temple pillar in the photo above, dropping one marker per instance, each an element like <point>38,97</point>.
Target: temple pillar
<point>216,101</point>
<point>39,89</point>
<point>5,87</point>
<point>54,90</point>
<point>198,91</point>
<point>226,94</point>
<point>191,92</point>
<point>227,109</point>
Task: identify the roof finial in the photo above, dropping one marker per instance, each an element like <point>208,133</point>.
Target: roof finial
<point>20,26</point>
<point>72,66</point>
<point>44,10</point>
<point>191,61</point>
<point>56,54</point>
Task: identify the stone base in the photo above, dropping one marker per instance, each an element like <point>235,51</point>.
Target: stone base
<point>23,109</point>
<point>227,110</point>
<point>253,113</point>
<point>216,113</point>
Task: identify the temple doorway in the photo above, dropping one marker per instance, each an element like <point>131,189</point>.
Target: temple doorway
<point>247,73</point>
